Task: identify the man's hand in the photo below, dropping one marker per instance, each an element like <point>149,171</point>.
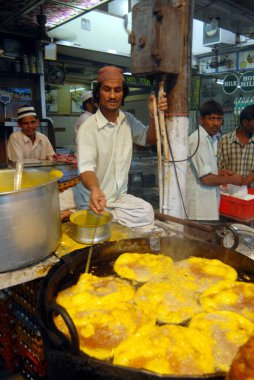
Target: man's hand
<point>249,179</point>
<point>225,172</point>
<point>237,179</point>
<point>97,201</point>
<point>162,104</point>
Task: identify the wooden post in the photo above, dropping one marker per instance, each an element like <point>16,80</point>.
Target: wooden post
<point>177,122</point>
<point>161,46</point>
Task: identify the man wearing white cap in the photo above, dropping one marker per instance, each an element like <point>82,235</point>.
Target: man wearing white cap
<point>28,143</point>
<point>89,106</point>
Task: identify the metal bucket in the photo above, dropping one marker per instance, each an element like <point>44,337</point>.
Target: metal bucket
<point>30,217</point>
<point>89,228</point>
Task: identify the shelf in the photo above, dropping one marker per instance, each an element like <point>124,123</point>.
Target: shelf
<point>14,74</point>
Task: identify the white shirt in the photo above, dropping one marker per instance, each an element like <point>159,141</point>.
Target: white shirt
<point>106,149</point>
<point>80,120</point>
<point>202,201</point>
<point>20,147</point>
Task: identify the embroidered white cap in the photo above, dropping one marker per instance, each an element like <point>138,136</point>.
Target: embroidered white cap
<point>87,95</point>
<point>25,111</point>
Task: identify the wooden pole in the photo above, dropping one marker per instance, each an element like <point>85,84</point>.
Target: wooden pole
<point>177,123</point>
<point>159,153</point>
<point>166,154</point>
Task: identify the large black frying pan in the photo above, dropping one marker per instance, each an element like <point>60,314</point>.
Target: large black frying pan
<point>65,361</point>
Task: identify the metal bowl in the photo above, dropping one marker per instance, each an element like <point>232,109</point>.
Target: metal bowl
<point>89,228</point>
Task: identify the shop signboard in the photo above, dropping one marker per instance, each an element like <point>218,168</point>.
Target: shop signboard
<point>230,83</point>
<point>246,81</point>
<point>132,81</point>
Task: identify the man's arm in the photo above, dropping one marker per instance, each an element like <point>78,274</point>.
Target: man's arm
<point>249,179</point>
<point>49,149</point>
<point>97,201</point>
<point>217,180</point>
<point>223,172</point>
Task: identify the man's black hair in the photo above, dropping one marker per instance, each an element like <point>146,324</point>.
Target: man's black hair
<point>209,107</point>
<point>96,92</point>
<point>247,113</point>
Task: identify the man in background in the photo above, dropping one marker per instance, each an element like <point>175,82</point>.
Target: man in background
<point>203,178</point>
<point>28,143</point>
<point>236,149</point>
<point>89,106</point>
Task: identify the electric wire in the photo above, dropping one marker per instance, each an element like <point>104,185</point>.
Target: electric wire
<point>177,179</point>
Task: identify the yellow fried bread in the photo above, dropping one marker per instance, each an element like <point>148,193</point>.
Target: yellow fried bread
<point>116,319</point>
<point>93,291</point>
<point>102,330</point>
<point>227,330</point>
<point>142,267</point>
<point>167,350</point>
<point>201,272</point>
<point>232,296</point>
<point>171,302</point>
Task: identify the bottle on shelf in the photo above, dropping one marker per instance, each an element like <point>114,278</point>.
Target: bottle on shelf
<point>32,67</point>
<point>25,64</point>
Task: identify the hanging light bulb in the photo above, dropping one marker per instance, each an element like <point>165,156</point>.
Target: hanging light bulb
<point>214,22</point>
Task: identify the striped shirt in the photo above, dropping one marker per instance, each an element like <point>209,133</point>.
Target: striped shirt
<point>233,156</point>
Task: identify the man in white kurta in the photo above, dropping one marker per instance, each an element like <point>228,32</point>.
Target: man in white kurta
<point>106,150</point>
<point>203,178</point>
<point>105,144</point>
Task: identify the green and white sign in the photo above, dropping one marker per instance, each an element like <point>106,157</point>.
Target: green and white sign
<point>137,81</point>
<point>230,83</point>
<point>246,81</point>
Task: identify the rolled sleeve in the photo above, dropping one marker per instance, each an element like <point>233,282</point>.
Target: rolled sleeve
<point>139,130</point>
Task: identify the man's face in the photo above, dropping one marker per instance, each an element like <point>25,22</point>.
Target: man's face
<point>248,125</point>
<point>91,107</point>
<point>111,94</point>
<point>211,123</point>
<point>28,125</point>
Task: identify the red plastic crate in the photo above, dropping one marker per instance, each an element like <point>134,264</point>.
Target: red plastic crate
<point>237,207</point>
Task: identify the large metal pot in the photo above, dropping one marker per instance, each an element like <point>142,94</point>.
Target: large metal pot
<point>30,217</point>
<point>65,361</point>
